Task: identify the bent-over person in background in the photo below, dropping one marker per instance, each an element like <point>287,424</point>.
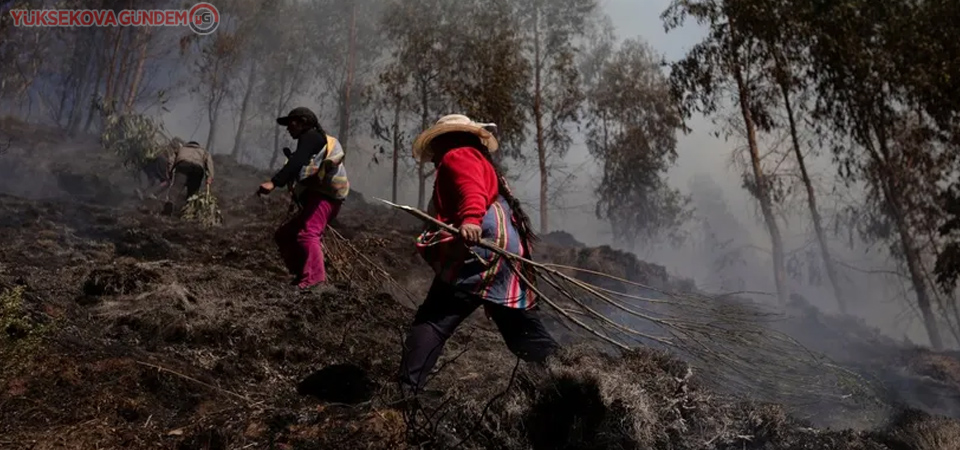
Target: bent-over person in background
<point>190,165</point>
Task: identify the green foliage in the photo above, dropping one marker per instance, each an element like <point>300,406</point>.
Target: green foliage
<point>452,57</point>
<point>346,61</point>
<point>633,134</point>
<point>202,208</point>
<point>464,57</point>
<point>20,335</point>
<point>135,138</point>
<point>489,78</point>
<point>554,33</point>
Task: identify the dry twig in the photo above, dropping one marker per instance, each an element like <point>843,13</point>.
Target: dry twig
<point>185,377</point>
<point>348,258</point>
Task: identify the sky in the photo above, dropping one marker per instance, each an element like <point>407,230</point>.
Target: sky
<point>641,18</point>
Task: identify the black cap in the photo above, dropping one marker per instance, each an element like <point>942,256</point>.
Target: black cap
<point>299,112</point>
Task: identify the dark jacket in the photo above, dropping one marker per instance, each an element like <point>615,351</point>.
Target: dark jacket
<point>308,145</point>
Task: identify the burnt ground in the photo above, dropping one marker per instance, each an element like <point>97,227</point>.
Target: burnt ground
<point>123,328</point>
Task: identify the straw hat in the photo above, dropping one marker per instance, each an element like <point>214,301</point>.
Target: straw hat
<point>448,124</point>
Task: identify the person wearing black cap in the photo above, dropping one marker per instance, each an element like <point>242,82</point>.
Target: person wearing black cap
<point>319,180</point>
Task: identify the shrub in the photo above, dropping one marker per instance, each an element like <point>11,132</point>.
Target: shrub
<point>135,138</point>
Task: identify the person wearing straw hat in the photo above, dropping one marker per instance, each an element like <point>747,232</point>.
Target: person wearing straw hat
<point>320,185</point>
<point>471,194</point>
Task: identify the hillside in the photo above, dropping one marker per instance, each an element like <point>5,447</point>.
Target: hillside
<point>127,329</point>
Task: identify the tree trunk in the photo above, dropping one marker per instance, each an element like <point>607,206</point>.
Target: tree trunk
<point>80,94</point>
<point>244,111</point>
<point>396,147</point>
<point>95,96</point>
<point>949,311</point>
<point>27,79</point>
<point>72,84</point>
<point>111,72</point>
<point>122,80</point>
<point>123,83</point>
<point>138,74</point>
<point>348,87</point>
<point>762,190</point>
<point>424,124</point>
<point>812,203</point>
<point>907,243</point>
<point>91,59</point>
<point>538,118</point>
<point>68,83</point>
<point>213,113</point>
<point>914,266</point>
<point>91,107</point>
<point>276,129</point>
<point>276,148</point>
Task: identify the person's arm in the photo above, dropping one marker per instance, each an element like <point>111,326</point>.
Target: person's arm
<point>307,146</point>
<point>462,173</point>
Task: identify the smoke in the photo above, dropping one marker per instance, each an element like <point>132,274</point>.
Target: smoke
<point>743,261</point>
<point>734,255</point>
<point>727,246</point>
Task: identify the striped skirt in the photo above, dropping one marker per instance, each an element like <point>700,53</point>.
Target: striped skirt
<point>476,270</point>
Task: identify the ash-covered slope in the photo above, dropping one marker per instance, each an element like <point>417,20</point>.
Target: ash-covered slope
<point>125,329</point>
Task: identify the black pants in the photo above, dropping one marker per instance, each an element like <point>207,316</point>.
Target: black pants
<point>445,309</point>
<point>191,175</point>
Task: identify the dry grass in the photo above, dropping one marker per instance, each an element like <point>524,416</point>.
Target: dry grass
<point>915,430</point>
<point>178,336</point>
<point>583,400</point>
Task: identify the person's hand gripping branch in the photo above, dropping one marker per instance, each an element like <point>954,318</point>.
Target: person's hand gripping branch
<point>470,233</point>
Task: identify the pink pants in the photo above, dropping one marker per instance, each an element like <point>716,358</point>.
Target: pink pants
<point>299,239</point>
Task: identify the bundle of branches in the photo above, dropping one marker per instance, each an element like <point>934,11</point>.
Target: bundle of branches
<point>730,341</point>
<point>351,263</point>
<point>135,138</point>
<point>202,208</point>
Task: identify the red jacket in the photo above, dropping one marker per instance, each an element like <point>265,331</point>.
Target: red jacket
<point>466,186</point>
